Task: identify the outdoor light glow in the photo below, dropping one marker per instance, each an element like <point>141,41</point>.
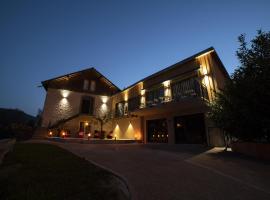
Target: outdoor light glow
<point>167,90</point>
<point>138,136</point>
<point>166,83</point>
<point>104,107</point>
<point>143,92</point>
<point>104,99</point>
<point>126,96</point>
<point>65,93</point>
<point>205,54</point>
<point>204,70</point>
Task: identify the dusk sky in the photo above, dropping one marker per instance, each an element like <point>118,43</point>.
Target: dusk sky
<point>124,40</point>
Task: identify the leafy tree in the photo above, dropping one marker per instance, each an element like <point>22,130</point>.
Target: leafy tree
<point>242,108</point>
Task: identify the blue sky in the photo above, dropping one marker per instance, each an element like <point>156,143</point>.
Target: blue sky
<point>124,40</point>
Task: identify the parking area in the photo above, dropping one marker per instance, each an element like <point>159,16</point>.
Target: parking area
<point>180,171</point>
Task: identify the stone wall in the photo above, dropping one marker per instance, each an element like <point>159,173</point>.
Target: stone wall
<point>62,104</point>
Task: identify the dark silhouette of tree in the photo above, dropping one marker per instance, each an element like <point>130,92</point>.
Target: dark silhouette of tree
<point>242,109</point>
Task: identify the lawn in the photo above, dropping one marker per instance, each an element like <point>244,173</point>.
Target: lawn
<point>43,171</point>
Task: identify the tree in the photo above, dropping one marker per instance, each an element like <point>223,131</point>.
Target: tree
<point>103,116</point>
<point>242,108</point>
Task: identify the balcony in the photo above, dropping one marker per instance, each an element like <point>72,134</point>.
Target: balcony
<point>178,91</point>
<point>188,90</point>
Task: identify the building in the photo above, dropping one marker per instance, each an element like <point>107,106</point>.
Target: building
<point>169,106</point>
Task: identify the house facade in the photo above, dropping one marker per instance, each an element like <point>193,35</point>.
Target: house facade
<point>169,106</point>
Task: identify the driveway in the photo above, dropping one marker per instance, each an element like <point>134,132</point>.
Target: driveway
<point>181,171</point>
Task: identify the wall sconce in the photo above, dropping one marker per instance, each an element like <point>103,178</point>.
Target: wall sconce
<point>167,83</point>
<point>142,92</point>
<point>126,96</point>
<point>104,99</point>
<point>50,133</point>
<point>65,93</point>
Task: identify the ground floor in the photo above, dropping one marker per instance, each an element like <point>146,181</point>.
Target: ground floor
<point>174,128</point>
<point>192,128</point>
<point>161,171</point>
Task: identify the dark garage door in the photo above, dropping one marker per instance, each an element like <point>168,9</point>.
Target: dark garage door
<point>157,131</point>
<point>190,129</point>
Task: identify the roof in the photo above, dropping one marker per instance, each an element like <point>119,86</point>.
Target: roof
<point>45,83</point>
<point>210,49</point>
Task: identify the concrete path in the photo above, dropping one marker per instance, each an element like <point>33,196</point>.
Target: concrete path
<point>172,172</point>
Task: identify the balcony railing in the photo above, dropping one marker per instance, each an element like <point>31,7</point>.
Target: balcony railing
<point>188,88</point>
<point>179,90</point>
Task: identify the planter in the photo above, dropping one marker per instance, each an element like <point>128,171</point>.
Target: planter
<point>257,150</point>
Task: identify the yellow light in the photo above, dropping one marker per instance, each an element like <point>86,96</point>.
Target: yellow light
<point>126,96</point>
<point>166,83</point>
<point>204,70</point>
<point>153,135</point>
<point>63,134</point>
<point>50,133</point>
<point>104,99</point>
<point>89,134</point>
<point>162,135</point>
<point>178,125</point>
<point>143,92</point>
<point>205,54</point>
<point>167,135</point>
<point>65,93</point>
<point>86,123</point>
<point>157,135</point>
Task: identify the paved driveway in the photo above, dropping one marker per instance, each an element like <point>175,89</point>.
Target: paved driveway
<point>181,171</point>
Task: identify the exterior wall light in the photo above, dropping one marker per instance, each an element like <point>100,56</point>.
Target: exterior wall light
<point>50,133</point>
<point>63,134</point>
<point>104,99</point>
<point>142,101</point>
<point>65,93</point>
<point>167,90</point>
<point>167,83</point>
<point>126,96</point>
<point>142,92</point>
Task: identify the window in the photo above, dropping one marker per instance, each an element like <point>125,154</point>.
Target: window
<point>87,105</point>
<point>93,86</point>
<point>85,85</point>
<point>119,109</point>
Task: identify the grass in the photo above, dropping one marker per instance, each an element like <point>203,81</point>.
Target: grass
<point>43,171</point>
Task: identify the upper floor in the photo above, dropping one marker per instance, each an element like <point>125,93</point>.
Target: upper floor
<point>89,92</point>
<point>199,76</point>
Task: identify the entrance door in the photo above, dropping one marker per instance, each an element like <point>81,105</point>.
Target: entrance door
<point>157,131</point>
<point>190,129</point>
